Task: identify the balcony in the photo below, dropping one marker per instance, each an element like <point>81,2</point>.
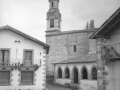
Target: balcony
<point>20,63</point>
<point>110,52</point>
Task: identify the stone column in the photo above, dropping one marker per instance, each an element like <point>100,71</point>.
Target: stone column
<point>101,66</point>
<point>63,73</point>
<point>55,73</point>
<point>71,76</point>
<point>89,75</point>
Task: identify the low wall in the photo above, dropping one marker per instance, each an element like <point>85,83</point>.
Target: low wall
<point>19,88</point>
<point>88,84</point>
<point>62,81</point>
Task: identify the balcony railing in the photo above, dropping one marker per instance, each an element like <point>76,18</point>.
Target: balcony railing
<point>109,52</point>
<point>17,63</point>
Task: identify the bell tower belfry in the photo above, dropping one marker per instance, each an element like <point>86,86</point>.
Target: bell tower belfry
<point>53,16</point>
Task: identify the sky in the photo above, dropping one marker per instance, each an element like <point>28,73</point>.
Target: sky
<point>29,16</point>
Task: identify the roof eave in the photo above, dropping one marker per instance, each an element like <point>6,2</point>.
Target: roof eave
<point>25,35</point>
<point>96,34</point>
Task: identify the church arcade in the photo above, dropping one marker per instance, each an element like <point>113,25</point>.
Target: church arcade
<point>73,73</point>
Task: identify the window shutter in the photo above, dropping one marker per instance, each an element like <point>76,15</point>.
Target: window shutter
<point>27,77</point>
<point>6,56</point>
<point>4,77</point>
<point>28,55</point>
<point>1,56</point>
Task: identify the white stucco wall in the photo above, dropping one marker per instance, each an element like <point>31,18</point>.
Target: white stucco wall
<point>7,40</point>
<point>114,40</point>
<point>113,67</point>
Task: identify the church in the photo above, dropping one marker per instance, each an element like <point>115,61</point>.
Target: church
<point>72,55</point>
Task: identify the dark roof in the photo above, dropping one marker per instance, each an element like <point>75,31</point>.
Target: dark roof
<point>24,35</point>
<point>81,59</point>
<point>109,26</point>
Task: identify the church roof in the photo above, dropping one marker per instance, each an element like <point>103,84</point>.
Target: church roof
<point>81,59</point>
<point>24,35</point>
<point>72,31</point>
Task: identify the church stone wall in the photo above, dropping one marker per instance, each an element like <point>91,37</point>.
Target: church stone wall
<point>61,47</point>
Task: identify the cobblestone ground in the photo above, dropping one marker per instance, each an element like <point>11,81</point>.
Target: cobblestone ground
<point>52,86</point>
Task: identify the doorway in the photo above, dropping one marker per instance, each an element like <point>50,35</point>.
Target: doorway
<point>84,73</point>
<point>75,72</point>
<point>67,73</point>
<point>59,73</point>
<point>94,73</point>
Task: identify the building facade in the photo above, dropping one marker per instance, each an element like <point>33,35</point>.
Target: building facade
<point>108,53</point>
<point>66,45</point>
<point>22,61</point>
<point>77,71</point>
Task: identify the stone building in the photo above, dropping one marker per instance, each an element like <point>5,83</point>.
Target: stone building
<point>108,53</point>
<point>22,61</point>
<point>74,46</point>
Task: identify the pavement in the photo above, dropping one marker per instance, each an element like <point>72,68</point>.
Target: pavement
<point>53,86</point>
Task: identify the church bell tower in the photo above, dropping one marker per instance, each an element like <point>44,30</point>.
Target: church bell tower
<point>53,16</point>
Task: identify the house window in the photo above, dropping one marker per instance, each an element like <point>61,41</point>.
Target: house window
<point>74,48</point>
<point>51,22</point>
<point>4,56</point>
<point>28,57</point>
<point>27,77</point>
<point>4,77</point>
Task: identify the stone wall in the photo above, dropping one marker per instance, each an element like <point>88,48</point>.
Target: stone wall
<point>61,46</point>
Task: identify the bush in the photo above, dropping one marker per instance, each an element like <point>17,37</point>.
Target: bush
<point>75,87</point>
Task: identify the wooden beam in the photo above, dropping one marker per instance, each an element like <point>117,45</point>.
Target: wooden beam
<point>110,26</point>
<point>102,36</point>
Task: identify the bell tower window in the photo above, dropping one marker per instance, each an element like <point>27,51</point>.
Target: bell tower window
<point>52,4</point>
<point>51,22</point>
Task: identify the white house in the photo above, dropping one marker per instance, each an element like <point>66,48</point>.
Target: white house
<point>22,61</point>
<point>108,53</point>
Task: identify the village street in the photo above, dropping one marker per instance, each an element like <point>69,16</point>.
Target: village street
<point>52,86</point>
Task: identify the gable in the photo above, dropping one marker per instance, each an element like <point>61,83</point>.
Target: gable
<point>8,28</point>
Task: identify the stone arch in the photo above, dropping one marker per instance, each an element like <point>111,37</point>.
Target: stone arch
<point>67,72</point>
<point>93,72</point>
<point>59,72</point>
<point>75,72</point>
<point>84,72</point>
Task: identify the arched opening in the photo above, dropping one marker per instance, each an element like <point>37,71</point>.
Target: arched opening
<point>74,48</point>
<point>59,73</point>
<point>51,22</point>
<point>67,73</point>
<point>75,74</point>
<point>94,73</point>
<point>84,73</point>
